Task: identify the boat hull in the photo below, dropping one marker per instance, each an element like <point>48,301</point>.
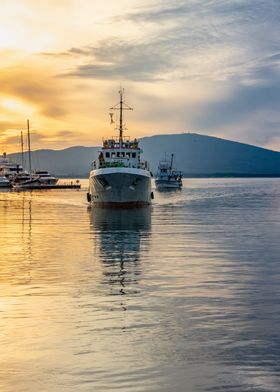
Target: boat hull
<point>120,187</point>
<point>168,185</point>
<point>4,183</point>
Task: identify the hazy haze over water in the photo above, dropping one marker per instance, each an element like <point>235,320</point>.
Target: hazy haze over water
<point>182,296</point>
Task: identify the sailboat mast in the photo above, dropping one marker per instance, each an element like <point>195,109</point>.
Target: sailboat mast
<point>29,147</point>
<point>172,155</point>
<point>21,142</point>
<point>121,117</point>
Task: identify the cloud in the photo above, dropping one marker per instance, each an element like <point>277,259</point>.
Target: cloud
<point>233,44</point>
<point>250,109</point>
<point>9,125</point>
<point>205,12</point>
<point>204,65</point>
<point>35,86</point>
<point>124,60</point>
<point>32,80</point>
<point>69,53</point>
<point>190,39</point>
<point>40,138</point>
<point>33,91</point>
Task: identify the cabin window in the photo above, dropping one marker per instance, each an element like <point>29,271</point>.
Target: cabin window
<point>123,154</point>
<point>113,155</point>
<point>134,155</point>
<point>107,155</point>
<point>118,154</point>
<point>128,154</point>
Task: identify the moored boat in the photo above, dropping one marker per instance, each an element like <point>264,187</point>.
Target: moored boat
<point>35,179</point>
<point>29,183</point>
<point>44,177</point>
<point>119,177</point>
<point>167,176</point>
<point>9,169</point>
<point>4,182</point>
<point>38,180</point>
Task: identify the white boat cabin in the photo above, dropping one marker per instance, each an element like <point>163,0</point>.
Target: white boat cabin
<point>163,168</point>
<point>116,153</point>
<point>165,172</point>
<point>8,168</point>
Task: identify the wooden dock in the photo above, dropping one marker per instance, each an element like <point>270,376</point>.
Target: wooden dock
<point>46,186</point>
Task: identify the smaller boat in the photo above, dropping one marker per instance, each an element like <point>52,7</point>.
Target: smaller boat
<point>4,182</point>
<point>167,176</point>
<point>44,177</point>
<point>35,183</point>
<point>29,183</point>
<point>9,169</point>
<point>20,177</point>
<point>40,179</point>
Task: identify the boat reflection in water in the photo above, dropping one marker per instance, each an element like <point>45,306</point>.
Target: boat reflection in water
<point>120,235</point>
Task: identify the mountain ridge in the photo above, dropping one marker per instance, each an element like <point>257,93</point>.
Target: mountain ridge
<point>196,155</point>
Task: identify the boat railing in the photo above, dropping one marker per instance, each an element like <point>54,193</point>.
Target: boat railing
<point>115,143</point>
<point>122,163</point>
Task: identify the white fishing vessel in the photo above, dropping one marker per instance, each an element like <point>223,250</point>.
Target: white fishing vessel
<point>167,176</point>
<point>120,177</point>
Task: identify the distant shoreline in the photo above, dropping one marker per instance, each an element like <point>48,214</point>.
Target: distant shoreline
<point>231,175</point>
<point>196,156</point>
<point>191,175</point>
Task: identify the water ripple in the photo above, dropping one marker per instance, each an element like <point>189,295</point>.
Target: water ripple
<point>182,296</point>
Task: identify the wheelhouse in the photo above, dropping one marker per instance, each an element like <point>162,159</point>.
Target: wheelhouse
<point>120,153</point>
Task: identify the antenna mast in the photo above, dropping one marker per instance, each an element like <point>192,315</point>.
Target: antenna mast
<point>121,107</point>
<point>121,116</point>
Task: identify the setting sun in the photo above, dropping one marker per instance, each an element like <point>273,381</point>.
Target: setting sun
<point>17,106</point>
<point>62,62</point>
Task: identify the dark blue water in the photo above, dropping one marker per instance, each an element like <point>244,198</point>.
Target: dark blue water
<point>182,296</point>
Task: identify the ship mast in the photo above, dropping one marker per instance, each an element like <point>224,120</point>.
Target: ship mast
<point>121,116</point>
<point>121,107</point>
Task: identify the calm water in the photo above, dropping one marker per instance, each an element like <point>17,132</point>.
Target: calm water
<point>182,296</point>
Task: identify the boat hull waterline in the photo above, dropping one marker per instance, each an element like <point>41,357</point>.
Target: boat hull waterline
<point>120,187</point>
<point>4,183</point>
<point>161,185</point>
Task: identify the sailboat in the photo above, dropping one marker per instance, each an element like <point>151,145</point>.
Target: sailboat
<point>22,175</point>
<point>120,177</point>
<point>167,176</point>
<point>29,180</point>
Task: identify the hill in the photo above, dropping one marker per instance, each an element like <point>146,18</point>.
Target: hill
<point>196,155</point>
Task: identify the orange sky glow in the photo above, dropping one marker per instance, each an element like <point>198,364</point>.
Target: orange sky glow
<point>63,63</point>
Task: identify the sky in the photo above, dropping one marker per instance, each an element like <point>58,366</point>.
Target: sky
<point>205,66</point>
